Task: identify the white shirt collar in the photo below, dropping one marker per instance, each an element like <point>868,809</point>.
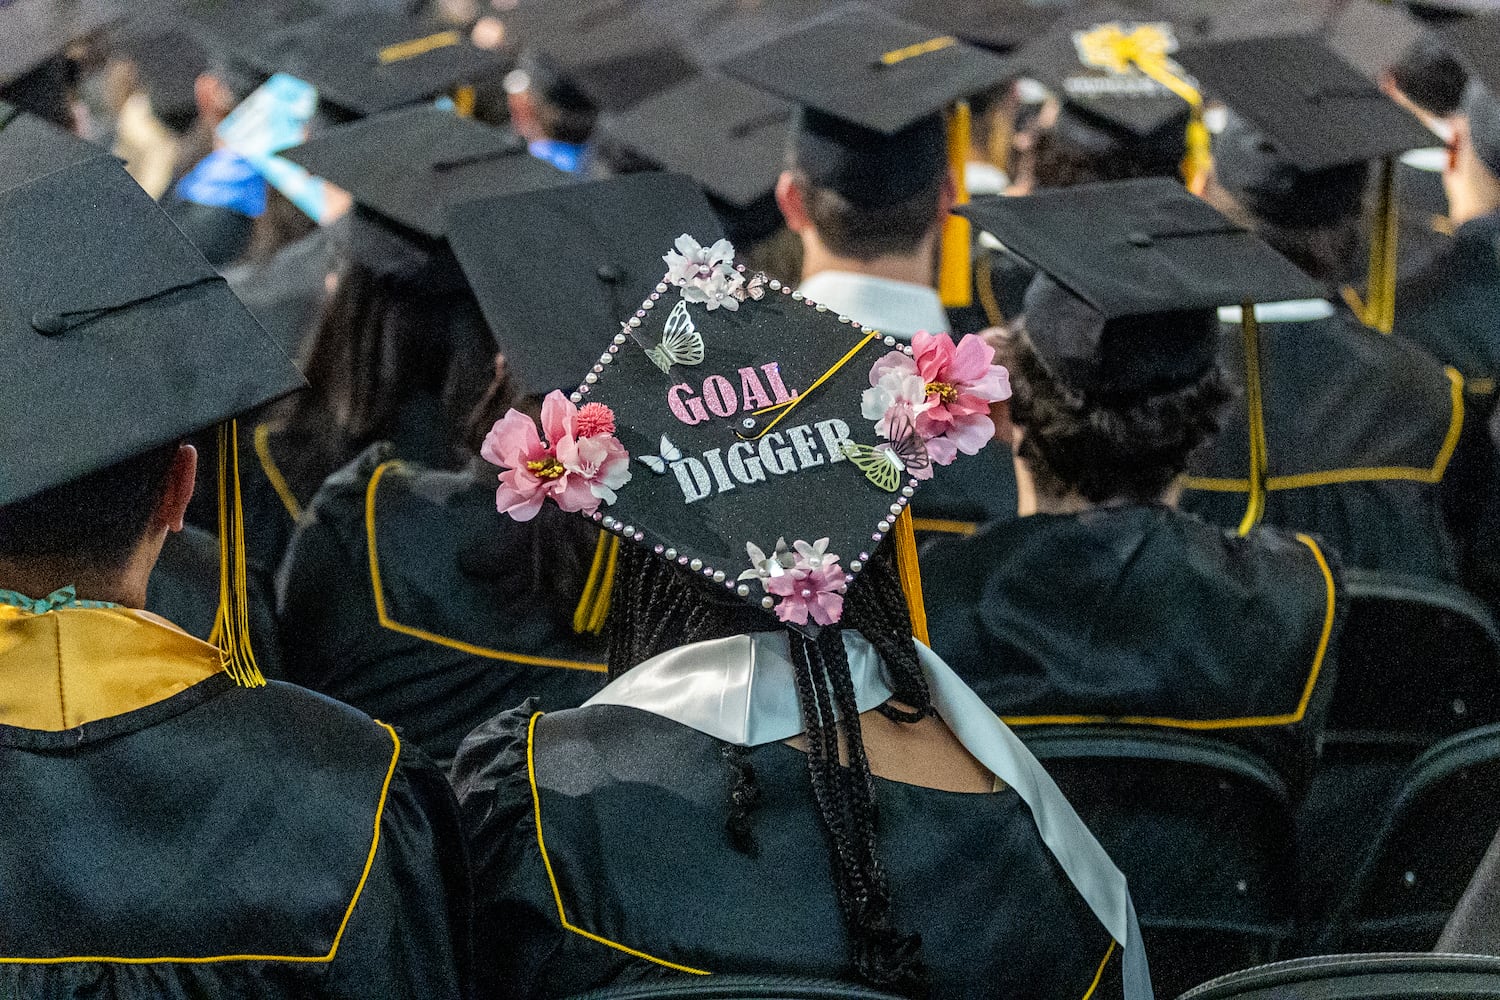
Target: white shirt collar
<point>1288,311</point>
<point>896,308</point>
<point>741,690</point>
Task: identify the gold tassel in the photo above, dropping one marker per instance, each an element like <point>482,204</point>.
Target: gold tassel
<point>1199,161</point>
<point>463,101</point>
<point>1255,507</point>
<point>1380,304</point>
<point>911,575</point>
<point>954,286</point>
<point>231,632</point>
<point>593,606</point>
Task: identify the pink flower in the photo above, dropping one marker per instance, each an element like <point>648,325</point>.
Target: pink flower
<point>818,593</point>
<point>577,473</point>
<point>594,418</point>
<point>957,386</point>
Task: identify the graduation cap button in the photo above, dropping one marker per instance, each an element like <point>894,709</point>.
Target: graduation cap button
<point>49,324</point>
<point>609,274</point>
<point>1139,239</point>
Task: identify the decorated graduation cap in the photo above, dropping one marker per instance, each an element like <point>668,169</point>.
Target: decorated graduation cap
<point>1115,71</point>
<point>30,147</point>
<point>371,62</point>
<point>735,149</point>
<point>750,436</point>
<point>872,89</point>
<point>1132,273</point>
<point>604,55</point>
<point>401,167</point>
<point>124,342</point>
<point>1313,112</point>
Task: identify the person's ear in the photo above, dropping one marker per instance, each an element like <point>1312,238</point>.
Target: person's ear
<point>792,200</point>
<point>172,508</point>
<point>523,115</point>
<point>947,195</point>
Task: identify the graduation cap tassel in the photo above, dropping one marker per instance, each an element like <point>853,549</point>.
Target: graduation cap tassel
<point>593,606</point>
<point>1255,506</point>
<point>911,575</point>
<point>954,286</point>
<point>1380,305</point>
<point>231,632</point>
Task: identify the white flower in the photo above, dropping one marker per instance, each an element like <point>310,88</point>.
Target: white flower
<point>764,567</point>
<point>895,392</point>
<point>693,262</point>
<point>719,289</point>
<point>815,556</point>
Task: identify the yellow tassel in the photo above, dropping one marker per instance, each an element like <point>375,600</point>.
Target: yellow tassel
<point>1255,507</point>
<point>911,575</point>
<point>231,632</point>
<point>1199,161</point>
<point>463,101</point>
<point>593,606</point>
<point>1380,305</point>
<point>954,286</point>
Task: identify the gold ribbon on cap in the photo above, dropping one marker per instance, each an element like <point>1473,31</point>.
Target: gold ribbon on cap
<point>1147,48</point>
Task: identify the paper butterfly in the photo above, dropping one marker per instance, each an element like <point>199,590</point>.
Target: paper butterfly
<point>658,463</point>
<point>681,343</point>
<point>886,463</point>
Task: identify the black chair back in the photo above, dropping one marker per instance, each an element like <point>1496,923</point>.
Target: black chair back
<point>1202,830</point>
<point>736,987</point>
<point>1433,836</point>
<point>1361,977</point>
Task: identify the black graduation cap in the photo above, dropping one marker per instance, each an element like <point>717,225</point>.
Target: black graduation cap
<point>998,25</point>
<point>556,271</point>
<point>1085,60</point>
<point>1317,109</point>
<point>30,147</point>
<point>1132,272</point>
<point>1372,36</point>
<point>727,135</point>
<point>371,62</point>
<point>119,336</point>
<point>1477,41</point>
<point>607,53</point>
<point>737,423</point>
<point>34,31</point>
<point>405,164</point>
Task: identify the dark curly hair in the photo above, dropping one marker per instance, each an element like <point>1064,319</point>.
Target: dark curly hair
<point>658,606</point>
<point>1106,450</point>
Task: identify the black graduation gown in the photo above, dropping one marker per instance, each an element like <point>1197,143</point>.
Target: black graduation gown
<point>600,856</point>
<point>184,589</point>
<point>1360,429</point>
<point>218,841</point>
<point>430,632</point>
<point>1142,614</point>
<point>284,293</point>
<point>963,497</point>
<point>1000,280</point>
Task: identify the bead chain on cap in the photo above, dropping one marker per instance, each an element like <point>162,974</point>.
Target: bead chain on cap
<point>634,534</point>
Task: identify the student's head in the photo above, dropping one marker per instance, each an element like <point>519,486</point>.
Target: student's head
<point>544,104</point>
<point>858,196</point>
<point>399,328</point>
<point>1080,147</point>
<point>1428,77</point>
<point>101,524</point>
<point>1312,216</point>
<point>1102,449</point>
<point>45,91</point>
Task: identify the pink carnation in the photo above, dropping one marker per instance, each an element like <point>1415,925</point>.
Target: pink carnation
<point>593,419</point>
<point>578,473</point>
<point>818,593</point>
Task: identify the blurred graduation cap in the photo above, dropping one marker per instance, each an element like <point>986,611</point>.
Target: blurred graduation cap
<point>1132,273</point>
<point>36,30</point>
<point>603,55</point>
<point>997,25</point>
<point>1372,36</point>
<point>556,272</point>
<point>741,418</point>
<point>371,62</point>
<point>735,149</point>
<point>121,339</point>
<point>30,147</point>
<point>1314,113</point>
<point>1476,40</point>
<point>401,167</point>
<point>873,88</point>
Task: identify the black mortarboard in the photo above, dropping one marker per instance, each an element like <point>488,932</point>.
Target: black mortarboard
<point>33,31</point>
<point>119,336</point>
<point>735,146</point>
<point>1317,109</point>
<point>30,147</point>
<point>998,25</point>
<point>865,67</point>
<point>1132,272</point>
<point>738,422</point>
<point>558,271</point>
<point>372,62</point>
<point>1086,60</point>
<point>1477,41</point>
<point>406,163</point>
<point>1372,36</point>
<point>608,54</point>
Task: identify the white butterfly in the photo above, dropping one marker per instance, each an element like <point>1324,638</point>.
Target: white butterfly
<point>681,343</point>
<point>658,463</point>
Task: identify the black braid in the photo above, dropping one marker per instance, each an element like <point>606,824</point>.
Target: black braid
<point>657,606</point>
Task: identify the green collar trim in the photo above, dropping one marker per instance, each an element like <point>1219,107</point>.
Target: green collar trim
<point>67,597</point>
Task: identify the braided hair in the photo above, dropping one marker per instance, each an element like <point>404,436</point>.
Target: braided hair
<point>658,606</point>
